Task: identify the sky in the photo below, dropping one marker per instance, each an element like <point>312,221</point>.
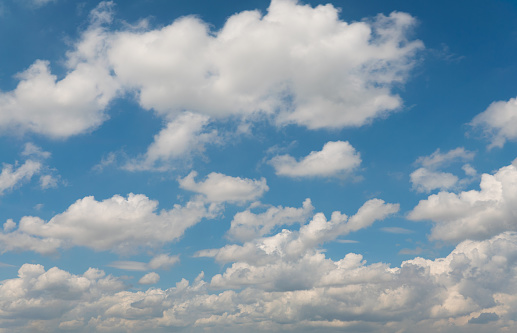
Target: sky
<point>256,166</point>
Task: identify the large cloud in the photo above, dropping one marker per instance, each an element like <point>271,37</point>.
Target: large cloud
<point>470,290</point>
<point>334,159</point>
<point>302,64</point>
<point>499,122</point>
<point>118,224</point>
<point>473,214</point>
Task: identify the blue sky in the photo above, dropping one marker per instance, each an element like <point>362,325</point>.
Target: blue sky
<point>258,166</point>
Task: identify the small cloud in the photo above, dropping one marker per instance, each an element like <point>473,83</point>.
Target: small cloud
<point>31,149</point>
<point>48,181</point>
<point>150,278</point>
<point>347,241</point>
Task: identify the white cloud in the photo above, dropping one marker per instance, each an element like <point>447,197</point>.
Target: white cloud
<point>429,177</point>
<point>335,159</point>
<point>182,137</point>
<point>499,122</point>
<point>219,188</point>
<point>48,181</point>
<point>118,224</point>
<point>161,261</point>
<point>437,159</point>
<point>32,150</point>
<point>185,66</point>
<point>312,292</point>
<point>424,180</point>
<point>473,214</point>
<point>247,225</point>
<point>11,176</point>
<point>308,67</point>
<point>296,243</point>
<point>150,278</point>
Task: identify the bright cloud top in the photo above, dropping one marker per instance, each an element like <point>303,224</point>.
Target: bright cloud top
<point>218,187</point>
<point>335,159</point>
<point>499,122</point>
<point>473,214</point>
<point>185,66</point>
<point>123,225</point>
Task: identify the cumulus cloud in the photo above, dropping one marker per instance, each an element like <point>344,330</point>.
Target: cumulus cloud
<point>473,214</point>
<point>289,259</point>
<point>149,278</point>
<point>12,176</point>
<point>219,188</point>
<point>247,225</point>
<point>429,177</point>
<point>117,224</point>
<point>308,67</point>
<point>499,122</point>
<point>470,290</point>
<point>335,159</point>
<point>183,136</point>
<point>424,180</point>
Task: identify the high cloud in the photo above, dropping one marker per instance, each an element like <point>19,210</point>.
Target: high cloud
<point>335,159</point>
<point>473,214</point>
<point>499,122</point>
<point>470,290</point>
<point>218,187</point>
<point>118,224</point>
<point>302,65</point>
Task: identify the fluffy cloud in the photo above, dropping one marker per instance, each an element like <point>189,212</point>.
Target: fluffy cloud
<point>473,214</point>
<point>424,180</point>
<point>117,224</point>
<point>289,259</point>
<point>150,278</point>
<point>499,122</point>
<point>186,66</point>
<point>307,67</point>
<point>335,159</point>
<point>470,290</point>
<point>247,225</point>
<point>11,176</point>
<point>182,137</point>
<point>428,177</point>
<point>218,187</point>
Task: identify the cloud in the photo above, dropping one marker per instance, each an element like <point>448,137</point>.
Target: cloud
<point>219,188</point>
<point>335,159</point>
<point>11,176</point>
<point>429,178</point>
<point>424,180</point>
<point>183,136</point>
<point>149,278</point>
<point>308,67</point>
<point>256,256</point>
<point>118,224</point>
<point>472,214</point>
<point>498,122</point>
<point>31,149</point>
<point>246,225</point>
<point>161,261</point>
<point>471,289</point>
<point>437,159</point>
